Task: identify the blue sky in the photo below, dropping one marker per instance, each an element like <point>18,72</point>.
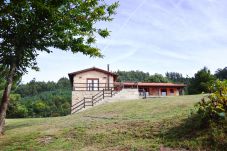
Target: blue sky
<point>153,36</point>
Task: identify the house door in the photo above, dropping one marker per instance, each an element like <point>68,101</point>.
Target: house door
<point>164,92</point>
<point>93,84</point>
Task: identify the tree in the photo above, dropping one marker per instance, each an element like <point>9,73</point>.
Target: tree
<point>40,107</point>
<point>214,107</point>
<point>132,76</point>
<point>140,76</point>
<point>201,82</point>
<point>175,77</point>
<point>16,109</point>
<point>221,74</point>
<point>63,83</point>
<point>29,27</point>
<point>2,83</point>
<point>157,78</point>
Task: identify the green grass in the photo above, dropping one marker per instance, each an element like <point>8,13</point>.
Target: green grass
<point>128,125</point>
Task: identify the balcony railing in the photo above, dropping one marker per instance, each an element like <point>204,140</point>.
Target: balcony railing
<point>96,86</point>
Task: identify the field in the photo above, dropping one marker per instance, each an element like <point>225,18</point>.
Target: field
<point>148,124</point>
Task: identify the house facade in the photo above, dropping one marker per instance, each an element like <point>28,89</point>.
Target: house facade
<point>92,79</point>
<point>92,85</point>
<point>157,89</point>
<point>86,83</point>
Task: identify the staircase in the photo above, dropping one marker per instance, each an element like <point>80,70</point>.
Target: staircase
<point>98,98</point>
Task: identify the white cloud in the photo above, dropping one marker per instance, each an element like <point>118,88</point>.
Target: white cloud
<point>155,36</point>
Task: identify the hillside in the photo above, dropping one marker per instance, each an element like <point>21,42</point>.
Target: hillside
<point>130,125</point>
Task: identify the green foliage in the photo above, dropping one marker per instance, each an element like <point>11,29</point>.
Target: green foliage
<point>39,107</point>
<point>29,27</point>
<point>35,87</point>
<point>221,74</point>
<point>41,99</point>
<point>48,104</point>
<point>64,83</point>
<point>157,78</point>
<point>202,81</point>
<point>3,78</point>
<point>132,76</point>
<point>212,113</point>
<point>139,76</point>
<point>16,108</point>
<point>176,77</point>
<point>2,82</point>
<point>215,108</point>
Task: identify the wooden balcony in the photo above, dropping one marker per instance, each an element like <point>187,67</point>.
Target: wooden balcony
<point>96,86</point>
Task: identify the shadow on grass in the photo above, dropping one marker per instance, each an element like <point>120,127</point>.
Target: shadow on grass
<point>21,125</point>
<point>194,134</point>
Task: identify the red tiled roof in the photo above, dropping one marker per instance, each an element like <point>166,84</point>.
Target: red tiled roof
<point>153,84</point>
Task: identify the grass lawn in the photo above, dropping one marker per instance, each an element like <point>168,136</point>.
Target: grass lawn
<point>129,125</point>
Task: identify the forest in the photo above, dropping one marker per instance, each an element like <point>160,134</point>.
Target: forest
<point>50,99</point>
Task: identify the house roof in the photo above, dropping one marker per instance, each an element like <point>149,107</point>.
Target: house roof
<point>71,75</point>
<point>154,84</point>
<point>92,69</point>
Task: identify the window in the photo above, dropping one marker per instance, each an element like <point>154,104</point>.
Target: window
<point>92,84</point>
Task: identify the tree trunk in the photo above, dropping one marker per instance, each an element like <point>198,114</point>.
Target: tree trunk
<point>5,97</point>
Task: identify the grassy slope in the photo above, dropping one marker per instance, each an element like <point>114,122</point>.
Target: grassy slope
<point>129,125</point>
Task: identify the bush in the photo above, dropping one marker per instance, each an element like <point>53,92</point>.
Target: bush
<point>212,113</point>
<point>16,109</point>
<point>214,107</point>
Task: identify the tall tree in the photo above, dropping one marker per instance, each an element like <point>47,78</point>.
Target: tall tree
<point>29,27</point>
<point>221,73</point>
<point>201,82</point>
<point>175,77</point>
<point>63,83</point>
<point>159,78</point>
<point>132,76</point>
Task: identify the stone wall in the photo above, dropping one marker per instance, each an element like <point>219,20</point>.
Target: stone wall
<point>79,95</point>
<point>124,94</point>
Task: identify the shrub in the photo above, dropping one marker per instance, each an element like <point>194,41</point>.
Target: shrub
<point>214,107</point>
<point>16,109</point>
<point>212,113</point>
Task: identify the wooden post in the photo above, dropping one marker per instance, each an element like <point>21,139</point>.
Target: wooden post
<point>84,102</point>
<point>108,77</point>
<point>92,99</point>
<point>103,91</point>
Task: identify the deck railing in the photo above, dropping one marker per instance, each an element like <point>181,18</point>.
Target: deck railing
<point>95,86</point>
